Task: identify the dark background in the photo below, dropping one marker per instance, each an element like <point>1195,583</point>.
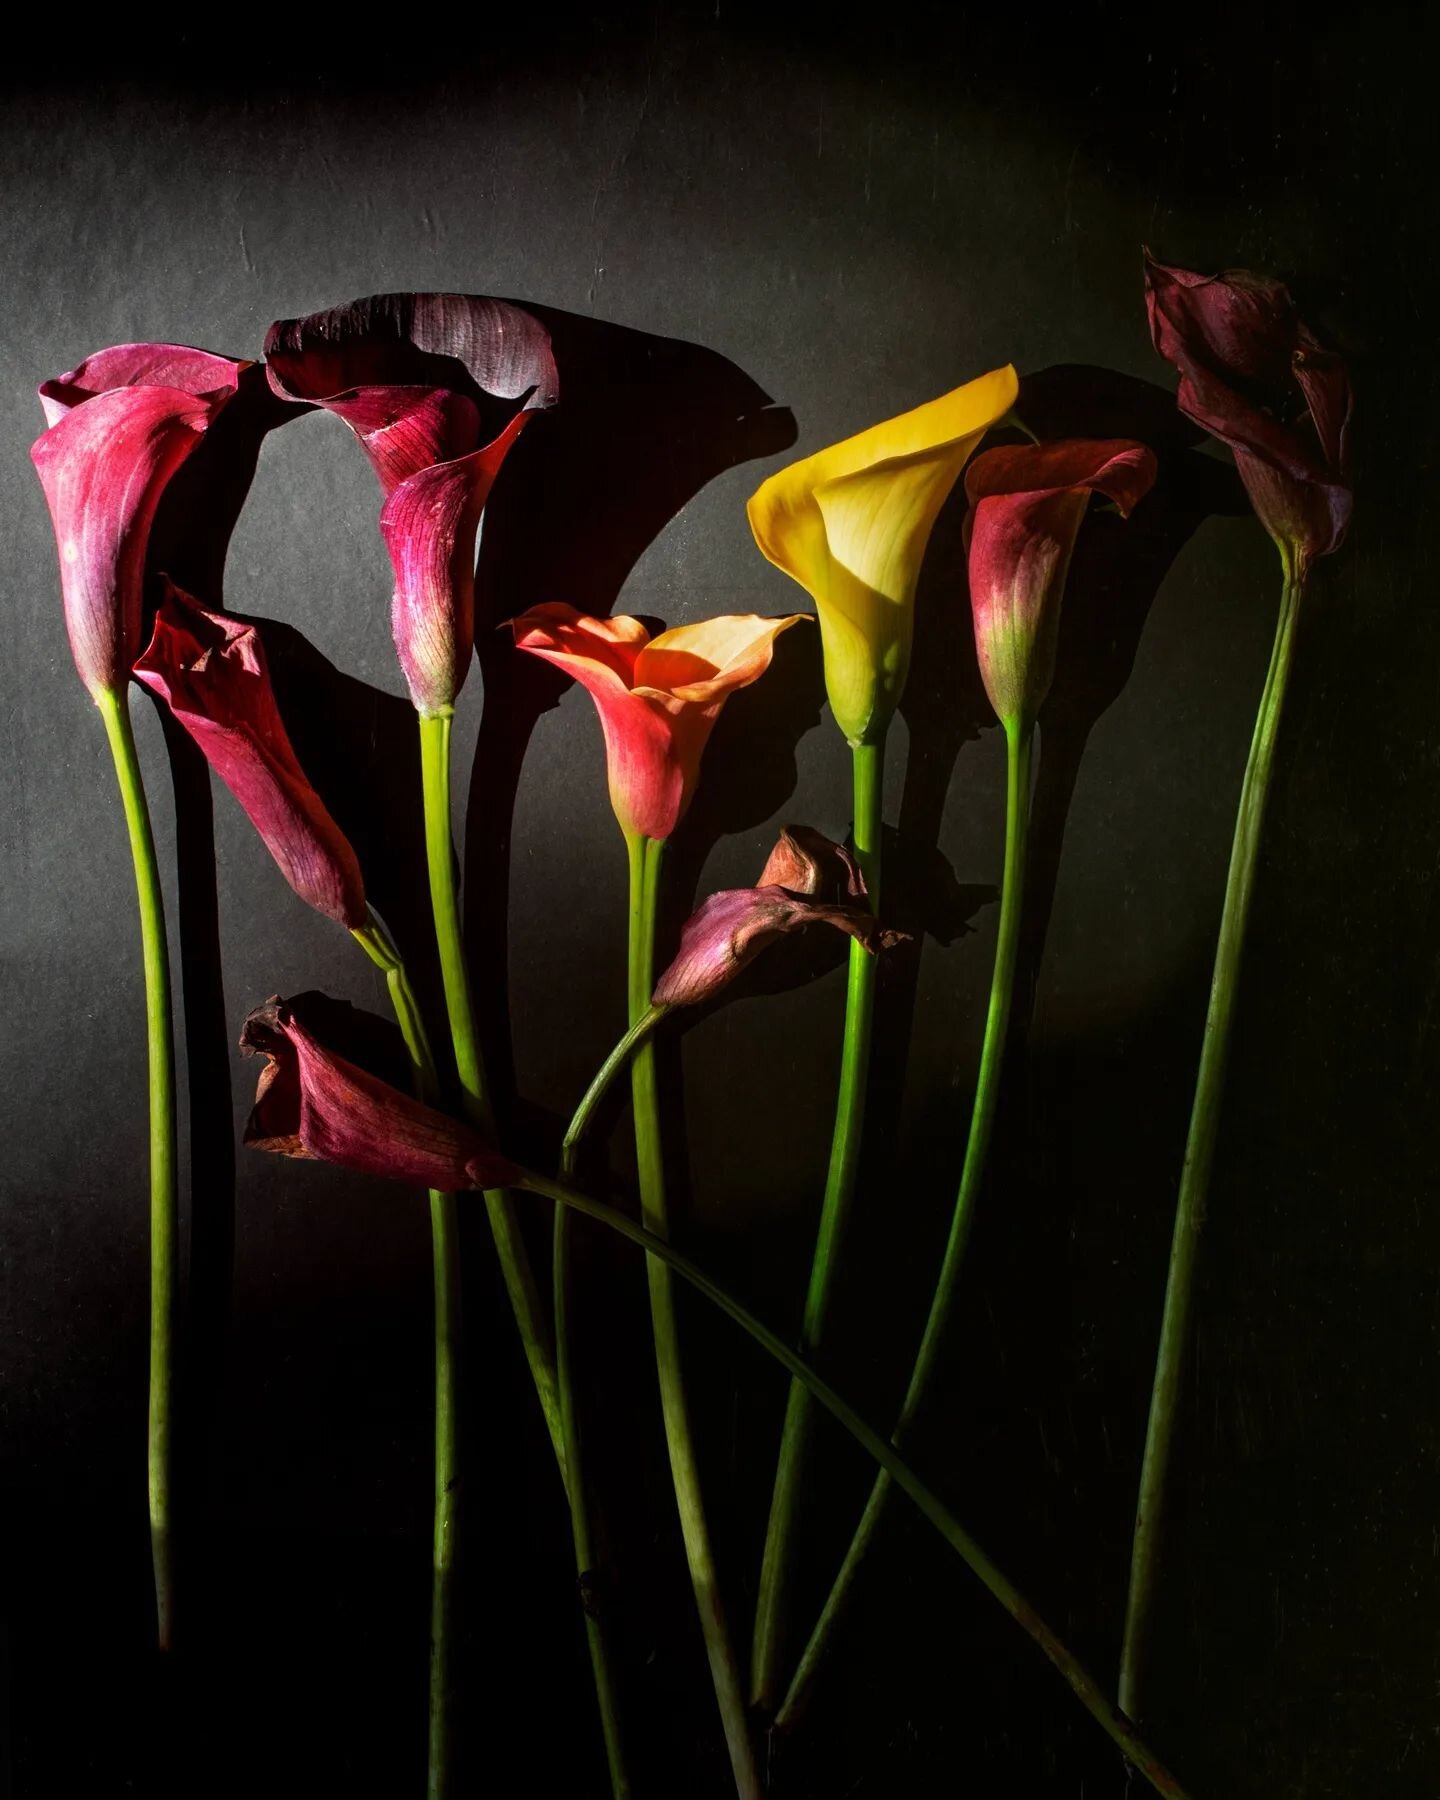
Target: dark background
<point>840,220</point>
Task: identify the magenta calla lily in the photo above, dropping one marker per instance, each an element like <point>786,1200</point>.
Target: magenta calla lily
<point>1253,374</point>
<point>730,929</point>
<point>120,424</point>
<point>210,670</point>
<point>312,1103</point>
<point>436,387</point>
<point>1027,503</point>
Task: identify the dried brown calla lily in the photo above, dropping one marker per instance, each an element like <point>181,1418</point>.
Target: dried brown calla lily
<point>807,880</point>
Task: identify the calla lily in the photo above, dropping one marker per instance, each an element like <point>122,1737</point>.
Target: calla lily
<point>1253,374</point>
<point>732,927</point>
<point>312,1103</point>
<point>437,388</point>
<point>658,698</point>
<point>1027,503</point>
<point>851,524</point>
<point>120,424</point>
<point>210,670</point>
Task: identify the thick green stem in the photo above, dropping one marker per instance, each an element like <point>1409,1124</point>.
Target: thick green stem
<point>645,863</point>
<point>1200,1150</point>
<point>504,1223</point>
<point>1118,1728</point>
<point>1019,737</point>
<point>445,1255</point>
<point>776,1569</point>
<point>164,1206</point>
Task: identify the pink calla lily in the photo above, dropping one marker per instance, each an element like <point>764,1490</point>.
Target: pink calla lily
<point>210,670</point>
<point>120,424</point>
<point>437,388</point>
<point>1027,502</point>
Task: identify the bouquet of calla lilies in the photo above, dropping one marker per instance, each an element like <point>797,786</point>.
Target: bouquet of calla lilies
<point>437,388</point>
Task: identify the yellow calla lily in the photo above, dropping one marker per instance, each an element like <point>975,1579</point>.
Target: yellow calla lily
<point>851,523</point>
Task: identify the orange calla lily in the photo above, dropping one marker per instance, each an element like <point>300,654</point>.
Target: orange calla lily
<point>851,524</point>
<point>658,698</point>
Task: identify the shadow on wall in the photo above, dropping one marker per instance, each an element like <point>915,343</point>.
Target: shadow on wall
<point>644,422</point>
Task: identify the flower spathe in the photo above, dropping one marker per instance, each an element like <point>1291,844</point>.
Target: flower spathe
<point>1027,503</point>
<point>437,388</point>
<point>851,524</point>
<point>1253,374</point>
<point>120,424</point>
<point>210,670</point>
<point>314,1104</point>
<point>658,698</point>
<point>730,929</point>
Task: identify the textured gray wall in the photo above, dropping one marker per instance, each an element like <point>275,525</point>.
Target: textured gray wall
<point>857,225</point>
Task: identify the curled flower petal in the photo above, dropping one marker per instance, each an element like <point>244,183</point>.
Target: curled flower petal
<point>658,698</point>
<point>312,1103</point>
<point>1027,504</point>
<point>1253,374</point>
<point>731,928</point>
<point>119,426</point>
<point>437,388</point>
<point>210,671</point>
<point>851,524</point>
<point>807,862</point>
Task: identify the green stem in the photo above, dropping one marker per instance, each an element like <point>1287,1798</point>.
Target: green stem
<point>164,1205</point>
<point>1118,1728</point>
<point>445,1254</point>
<point>613,1066</point>
<point>645,862</point>
<point>1200,1148</point>
<point>504,1223</point>
<point>1019,737</point>
<point>776,1569</point>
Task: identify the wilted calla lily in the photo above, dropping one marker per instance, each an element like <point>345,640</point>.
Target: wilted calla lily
<point>731,928</point>
<point>1027,503</point>
<point>851,524</point>
<point>312,1103</point>
<point>1252,373</point>
<point>121,423</point>
<point>210,670</point>
<point>437,388</point>
<point>658,698</point>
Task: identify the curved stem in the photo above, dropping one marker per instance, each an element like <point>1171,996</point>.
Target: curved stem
<point>445,1252</point>
<point>504,1223</point>
<point>1200,1148</point>
<point>646,856</point>
<point>776,1567</point>
<point>1116,1726</point>
<point>1019,736</point>
<point>613,1066</point>
<point>164,1204</point>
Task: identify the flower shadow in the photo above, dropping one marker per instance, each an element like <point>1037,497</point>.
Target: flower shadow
<point>644,423</point>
